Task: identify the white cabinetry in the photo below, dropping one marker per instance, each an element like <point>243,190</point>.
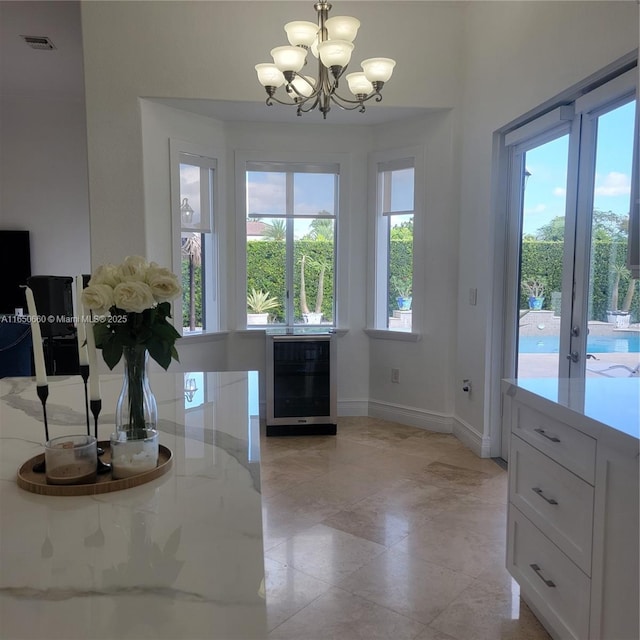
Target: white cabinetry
<point>573,526</point>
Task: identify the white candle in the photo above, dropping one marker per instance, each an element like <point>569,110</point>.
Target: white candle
<point>36,337</point>
<point>94,378</point>
<point>81,327</point>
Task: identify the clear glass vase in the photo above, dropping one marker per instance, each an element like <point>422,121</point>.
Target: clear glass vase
<point>134,445</point>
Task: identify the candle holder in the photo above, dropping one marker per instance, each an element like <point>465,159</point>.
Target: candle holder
<point>43,394</point>
<point>84,373</point>
<point>96,407</point>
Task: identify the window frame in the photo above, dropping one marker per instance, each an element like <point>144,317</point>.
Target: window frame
<point>295,163</point>
<point>182,152</point>
<point>379,163</point>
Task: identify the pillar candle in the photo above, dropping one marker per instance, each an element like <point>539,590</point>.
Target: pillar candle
<point>36,336</point>
<point>94,377</point>
<point>81,326</point>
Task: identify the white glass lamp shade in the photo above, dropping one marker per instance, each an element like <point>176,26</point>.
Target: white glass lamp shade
<point>335,52</point>
<point>378,69</point>
<point>269,75</point>
<point>314,47</point>
<point>301,32</point>
<point>342,28</point>
<point>358,83</point>
<point>289,58</point>
<point>304,88</point>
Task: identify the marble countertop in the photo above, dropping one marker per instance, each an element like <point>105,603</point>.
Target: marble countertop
<point>610,402</point>
<point>180,557</point>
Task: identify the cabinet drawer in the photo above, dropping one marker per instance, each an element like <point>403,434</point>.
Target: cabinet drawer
<point>552,583</point>
<point>564,444</point>
<point>558,502</point>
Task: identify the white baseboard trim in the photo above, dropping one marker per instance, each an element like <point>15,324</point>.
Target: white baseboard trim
<point>353,408</point>
<point>471,438</point>
<point>428,420</point>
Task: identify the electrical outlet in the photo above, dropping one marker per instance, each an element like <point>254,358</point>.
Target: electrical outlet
<point>466,385</point>
<point>395,375</point>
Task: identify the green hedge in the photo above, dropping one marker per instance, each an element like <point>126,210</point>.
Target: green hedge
<point>543,260</point>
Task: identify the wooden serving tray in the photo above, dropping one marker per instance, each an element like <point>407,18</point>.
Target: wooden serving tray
<point>37,482</point>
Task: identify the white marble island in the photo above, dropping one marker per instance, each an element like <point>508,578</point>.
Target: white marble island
<point>178,558</point>
<point>573,534</point>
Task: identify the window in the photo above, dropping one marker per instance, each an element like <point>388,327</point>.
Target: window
<point>395,210</point>
<point>290,243</point>
<point>195,176</point>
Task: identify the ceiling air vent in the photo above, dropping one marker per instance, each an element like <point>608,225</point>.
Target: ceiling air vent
<point>38,42</point>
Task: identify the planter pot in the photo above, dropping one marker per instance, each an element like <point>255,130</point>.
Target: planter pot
<point>535,302</point>
<point>404,304</point>
<point>620,319</point>
<point>312,317</point>
<point>257,318</point>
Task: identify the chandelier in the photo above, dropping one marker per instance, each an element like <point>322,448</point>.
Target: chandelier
<point>331,41</point>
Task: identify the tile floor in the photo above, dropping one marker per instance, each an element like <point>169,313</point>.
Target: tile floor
<point>387,532</point>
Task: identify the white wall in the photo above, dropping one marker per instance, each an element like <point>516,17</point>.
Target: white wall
<point>43,181</point>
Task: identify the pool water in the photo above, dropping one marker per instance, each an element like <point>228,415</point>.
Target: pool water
<point>628,343</point>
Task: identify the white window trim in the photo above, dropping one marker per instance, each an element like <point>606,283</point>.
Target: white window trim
<point>215,288</point>
<point>396,159</point>
<point>307,159</point>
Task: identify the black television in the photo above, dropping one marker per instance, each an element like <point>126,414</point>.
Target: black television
<point>15,267</point>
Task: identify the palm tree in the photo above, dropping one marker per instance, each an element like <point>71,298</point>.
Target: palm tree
<point>192,250</point>
<point>321,229</point>
<point>277,230</point>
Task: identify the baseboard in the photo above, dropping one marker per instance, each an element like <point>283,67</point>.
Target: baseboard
<point>479,444</point>
<point>353,407</point>
<point>428,420</point>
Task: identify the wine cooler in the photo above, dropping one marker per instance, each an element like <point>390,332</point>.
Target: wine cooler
<point>301,384</point>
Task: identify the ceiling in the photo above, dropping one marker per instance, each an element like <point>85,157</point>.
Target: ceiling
<point>58,73</point>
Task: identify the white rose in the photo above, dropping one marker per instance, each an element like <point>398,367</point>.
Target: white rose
<point>164,283</point>
<point>133,296</point>
<point>98,297</point>
<point>105,274</point>
<point>133,268</point>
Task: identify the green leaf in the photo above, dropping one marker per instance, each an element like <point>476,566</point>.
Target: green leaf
<point>160,352</point>
<point>174,353</point>
<point>112,352</point>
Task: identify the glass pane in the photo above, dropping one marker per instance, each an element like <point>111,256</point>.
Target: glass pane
<point>400,272</point>
<point>313,270</point>
<point>192,248</point>
<point>313,194</point>
<point>397,190</point>
<point>189,194</point>
<point>612,344</point>
<point>266,283</point>
<point>540,284</point>
<point>266,193</point>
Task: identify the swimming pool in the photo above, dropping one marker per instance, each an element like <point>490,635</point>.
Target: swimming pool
<point>618,343</point>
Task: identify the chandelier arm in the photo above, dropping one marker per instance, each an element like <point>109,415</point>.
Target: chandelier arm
<point>356,105</point>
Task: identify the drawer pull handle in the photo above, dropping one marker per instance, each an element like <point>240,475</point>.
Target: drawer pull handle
<point>543,433</point>
<point>536,568</point>
<point>541,494</point>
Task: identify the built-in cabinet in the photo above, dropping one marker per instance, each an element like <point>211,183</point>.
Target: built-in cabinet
<point>573,524</point>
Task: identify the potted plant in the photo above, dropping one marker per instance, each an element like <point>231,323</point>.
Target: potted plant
<point>401,287</point>
<point>535,291</point>
<point>620,316</point>
<point>259,304</point>
<point>312,317</point>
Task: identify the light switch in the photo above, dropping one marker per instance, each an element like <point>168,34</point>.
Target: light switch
<point>473,296</point>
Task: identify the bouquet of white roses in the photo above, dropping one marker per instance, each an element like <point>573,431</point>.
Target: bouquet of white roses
<point>133,300</point>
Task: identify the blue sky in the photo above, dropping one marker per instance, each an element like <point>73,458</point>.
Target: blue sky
<point>546,188</point>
